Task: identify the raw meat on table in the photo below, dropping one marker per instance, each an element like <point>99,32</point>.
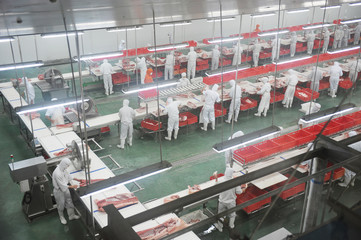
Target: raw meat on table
<point>64,125</point>
<point>119,201</point>
<point>193,189</point>
<point>82,182</point>
<point>191,105</point>
<point>168,227</point>
<point>170,198</point>
<point>141,109</point>
<point>65,151</point>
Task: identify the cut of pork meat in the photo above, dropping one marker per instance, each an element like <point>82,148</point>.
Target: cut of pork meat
<point>170,198</point>
<point>82,182</point>
<point>193,189</point>
<point>119,201</point>
<point>168,227</point>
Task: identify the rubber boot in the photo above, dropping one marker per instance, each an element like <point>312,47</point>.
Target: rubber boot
<point>122,142</point>
<point>258,114</point>
<point>236,116</point>
<point>204,126</point>
<point>265,112</point>
<point>353,181</point>
<point>231,222</point>
<point>62,218</point>
<point>169,136</point>
<point>106,92</point>
<point>71,214</point>
<point>333,93</point>
<point>229,118</point>
<point>219,226</point>
<point>130,141</point>
<point>111,90</point>
<point>213,125</point>
<point>175,134</point>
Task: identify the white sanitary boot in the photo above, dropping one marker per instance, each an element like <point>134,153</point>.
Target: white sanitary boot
<point>62,218</point>
<point>72,214</point>
<point>231,222</point>
<point>214,125</point>
<point>122,142</point>
<point>257,114</point>
<point>130,141</point>
<point>219,226</point>
<point>204,126</point>
<point>333,93</point>
<point>175,134</point>
<point>111,90</point>
<point>169,136</point>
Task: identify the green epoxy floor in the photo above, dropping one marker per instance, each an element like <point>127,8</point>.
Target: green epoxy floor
<point>146,151</point>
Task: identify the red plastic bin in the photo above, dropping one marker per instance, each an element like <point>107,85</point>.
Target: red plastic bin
<point>314,130</point>
<point>151,124</point>
<point>356,116</point>
<point>218,175</point>
<point>247,154</point>
<point>148,93</point>
<point>218,110</point>
<point>251,193</point>
<point>331,128</point>
<point>286,142</point>
<point>291,191</point>
<point>345,84</point>
<point>337,173</point>
<point>345,122</point>
<point>248,103</point>
<point>268,147</point>
<point>191,118</point>
<point>302,137</point>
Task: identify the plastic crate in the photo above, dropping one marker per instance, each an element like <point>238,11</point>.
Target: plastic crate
<point>247,154</point>
<point>278,97</point>
<point>337,173</point>
<point>331,128</point>
<point>302,137</point>
<point>151,124</point>
<point>345,84</point>
<point>314,93</point>
<point>202,61</point>
<point>345,122</point>
<point>245,105</point>
<point>148,93</point>
<point>191,118</point>
<point>218,110</point>
<point>291,191</point>
<point>251,193</point>
<point>268,147</point>
<point>324,84</point>
<point>285,142</point>
<point>225,62</point>
<point>105,129</point>
<point>314,130</point>
<point>356,116</point>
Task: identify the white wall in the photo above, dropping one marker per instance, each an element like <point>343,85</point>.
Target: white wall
<point>98,41</point>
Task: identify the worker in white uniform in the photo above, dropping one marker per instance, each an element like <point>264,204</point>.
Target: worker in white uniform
<point>265,91</point>
<point>276,47</point>
<point>256,49</point>
<point>310,41</point>
<point>227,199</point>
<point>215,57</point>
<point>355,68</point>
<point>169,66</point>
<point>290,91</point>
<point>192,62</point>
<point>356,38</point>
<point>337,38</point>
<point>326,39</point>
<point>350,176</point>
<point>229,153</point>
<point>106,69</point>
<point>172,109</point>
<point>293,44</point>
<point>235,93</point>
<point>184,81</point>
<point>346,36</point>
<point>126,116</point>
<point>122,45</point>
<point>315,77</point>
<point>29,91</point>
<point>237,57</point>
<point>61,180</point>
<point>142,66</point>
<point>210,98</point>
<point>335,74</point>
<point>55,115</point>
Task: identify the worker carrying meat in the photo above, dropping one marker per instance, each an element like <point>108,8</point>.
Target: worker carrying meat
<point>61,182</point>
<point>315,77</point>
<point>292,81</point>
<point>55,115</point>
<point>265,91</point>
<point>356,38</point>
<point>215,57</point>
<point>256,49</point>
<point>227,199</point>
<point>126,116</point>
<point>192,61</point>
<point>237,57</point>
<point>169,66</point>
<point>293,44</point>
<point>184,81</point>
<point>276,47</point>
<point>106,69</point>
<point>172,109</point>
<point>235,93</point>
<point>310,37</point>
<point>349,177</point>
<point>207,113</point>
<point>335,74</point>
<point>337,38</point>
<point>326,39</point>
<point>142,66</point>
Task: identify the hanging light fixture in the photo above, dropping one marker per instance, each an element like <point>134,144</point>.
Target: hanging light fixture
<point>123,29</point>
<point>61,34</point>
<point>21,65</point>
<point>7,39</point>
<point>225,39</point>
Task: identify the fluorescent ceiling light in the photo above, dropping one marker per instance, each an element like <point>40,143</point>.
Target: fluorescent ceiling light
<point>123,29</point>
<point>149,88</point>
<point>317,26</point>
<point>355,4</point>
<point>99,55</point>
<point>226,39</point>
<point>171,24</point>
<point>60,34</point>
<point>263,15</point>
<point>291,60</point>
<point>330,7</point>
<point>218,19</point>
<point>351,21</point>
<point>168,47</point>
<point>226,70</point>
<point>7,39</point>
<point>21,65</point>
<point>262,34</point>
<point>47,105</point>
<point>314,117</point>
<point>298,10</point>
<point>342,50</point>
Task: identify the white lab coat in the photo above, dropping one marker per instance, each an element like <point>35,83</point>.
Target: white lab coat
<point>357,34</point>
<point>61,178</point>
<point>215,58</point>
<point>142,66</point>
<point>266,97</point>
<point>173,115</point>
<point>276,47</point>
<point>335,74</point>
<point>192,62</point>
<point>169,67</point>
<point>326,41</point>
<point>229,153</point>
<point>337,39</point>
<point>346,36</point>
<point>290,91</point>
<point>355,68</point>
<point>256,49</point>
<point>293,45</point>
<point>29,91</point>
<point>210,98</point>
<point>56,114</point>
<point>106,69</point>
<point>315,77</point>
<point>237,54</point>
<point>183,82</point>
<point>126,115</point>
<point>310,42</point>
<point>235,105</point>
